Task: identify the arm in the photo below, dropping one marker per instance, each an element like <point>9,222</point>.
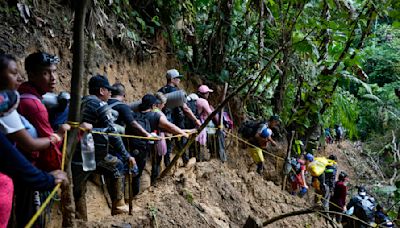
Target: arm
<point>304,178</point>
<point>170,127</point>
<point>208,110</point>
<point>25,141</point>
<point>15,165</point>
<point>188,112</point>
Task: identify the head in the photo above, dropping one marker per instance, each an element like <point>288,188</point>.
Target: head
<point>162,98</point>
<point>173,77</point>
<point>308,158</point>
<point>100,87</point>
<point>332,157</point>
<point>362,191</point>
<point>149,102</point>
<point>9,75</point>
<point>204,92</point>
<point>41,68</point>
<point>119,92</point>
<point>274,121</point>
<point>342,176</point>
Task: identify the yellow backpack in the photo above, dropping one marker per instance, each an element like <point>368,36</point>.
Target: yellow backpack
<point>317,167</point>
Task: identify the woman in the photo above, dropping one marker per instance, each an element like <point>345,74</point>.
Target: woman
<point>15,127</point>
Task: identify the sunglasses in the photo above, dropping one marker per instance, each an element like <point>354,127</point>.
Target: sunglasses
<point>49,59</point>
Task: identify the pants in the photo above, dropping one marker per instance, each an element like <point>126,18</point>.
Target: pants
<point>321,188</point>
<point>111,167</point>
<point>155,164</point>
<point>141,159</point>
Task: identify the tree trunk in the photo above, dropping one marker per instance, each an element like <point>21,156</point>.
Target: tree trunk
<point>68,207</point>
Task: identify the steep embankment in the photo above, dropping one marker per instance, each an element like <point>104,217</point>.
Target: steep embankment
<point>205,194</point>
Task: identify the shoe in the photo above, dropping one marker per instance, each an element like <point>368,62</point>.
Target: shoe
<point>119,207</point>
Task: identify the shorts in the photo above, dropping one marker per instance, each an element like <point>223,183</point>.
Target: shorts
<point>257,154</point>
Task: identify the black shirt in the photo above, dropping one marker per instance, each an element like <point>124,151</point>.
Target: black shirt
<point>125,116</point>
<point>175,115</point>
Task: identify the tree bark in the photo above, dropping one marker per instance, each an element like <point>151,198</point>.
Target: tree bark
<point>68,206</point>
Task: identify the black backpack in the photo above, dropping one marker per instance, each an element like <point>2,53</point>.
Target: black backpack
<point>193,106</point>
<point>248,128</point>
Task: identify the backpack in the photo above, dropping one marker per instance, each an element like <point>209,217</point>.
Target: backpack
<point>296,166</point>
<point>192,104</point>
<point>249,128</point>
<point>364,208</point>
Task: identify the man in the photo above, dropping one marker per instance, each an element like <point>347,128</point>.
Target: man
<point>338,199</point>
<point>110,151</point>
<point>330,173</point>
<point>125,117</point>
<point>260,141</point>
<point>151,121</point>
<point>364,206</point>
<point>42,78</point>
<point>177,114</point>
<point>41,69</point>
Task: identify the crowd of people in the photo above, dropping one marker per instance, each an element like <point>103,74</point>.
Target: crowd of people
<point>33,123</point>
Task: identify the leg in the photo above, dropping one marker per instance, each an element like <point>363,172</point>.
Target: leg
<point>167,157</point>
<point>141,163</point>
<point>155,165</point>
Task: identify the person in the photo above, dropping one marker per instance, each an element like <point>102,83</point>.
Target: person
<point>260,141</point>
<point>176,115</point>
<point>297,177</point>
<point>363,208</point>
<point>151,121</point>
<point>58,115</point>
<point>13,164</point>
<point>330,173</point>
<point>316,167</point>
<point>125,116</point>
<point>381,218</point>
<point>339,133</point>
<point>328,136</point>
<point>338,198</point>
<point>204,109</point>
<point>110,152</point>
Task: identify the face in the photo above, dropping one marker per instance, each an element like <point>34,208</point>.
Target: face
<point>160,106</point>
<point>46,78</point>
<point>176,81</point>
<point>274,123</point>
<point>10,77</point>
<point>105,94</point>
<point>206,95</point>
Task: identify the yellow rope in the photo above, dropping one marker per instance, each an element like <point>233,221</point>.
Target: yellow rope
<point>47,201</point>
<point>139,137</point>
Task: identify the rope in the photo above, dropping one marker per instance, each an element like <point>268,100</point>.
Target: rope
<point>246,142</point>
<point>51,195</point>
<point>139,137</point>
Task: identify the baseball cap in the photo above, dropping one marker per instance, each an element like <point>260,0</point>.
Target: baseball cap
<point>362,191</point>
<point>266,132</point>
<point>275,117</point>
<point>309,157</point>
<point>99,81</point>
<point>204,89</point>
<point>173,73</point>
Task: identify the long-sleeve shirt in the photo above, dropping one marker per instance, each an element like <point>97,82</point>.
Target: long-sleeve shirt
<point>15,165</point>
<point>339,194</point>
<point>34,111</point>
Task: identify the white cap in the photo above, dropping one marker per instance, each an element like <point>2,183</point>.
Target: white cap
<point>173,73</point>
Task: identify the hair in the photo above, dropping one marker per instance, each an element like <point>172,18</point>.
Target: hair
<point>119,89</point>
<point>169,80</point>
<point>5,59</point>
<point>332,157</point>
<point>160,96</point>
<point>94,91</point>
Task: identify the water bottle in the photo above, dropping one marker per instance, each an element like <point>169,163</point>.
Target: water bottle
<point>134,170</point>
<point>87,151</point>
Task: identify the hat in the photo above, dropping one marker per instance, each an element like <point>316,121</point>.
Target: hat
<point>342,175</point>
<point>204,89</point>
<point>362,191</point>
<point>100,81</point>
<point>173,73</point>
<point>148,101</point>
<point>266,132</point>
<point>274,117</point>
<point>309,157</point>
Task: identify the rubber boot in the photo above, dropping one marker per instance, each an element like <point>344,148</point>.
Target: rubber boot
<point>118,203</point>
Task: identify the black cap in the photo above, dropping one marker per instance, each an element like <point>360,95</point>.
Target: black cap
<point>148,101</point>
<point>275,117</point>
<point>100,81</point>
<point>40,59</point>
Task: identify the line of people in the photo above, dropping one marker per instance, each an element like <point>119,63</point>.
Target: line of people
<point>34,127</point>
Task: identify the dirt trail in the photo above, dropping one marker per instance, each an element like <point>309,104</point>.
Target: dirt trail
<point>205,194</point>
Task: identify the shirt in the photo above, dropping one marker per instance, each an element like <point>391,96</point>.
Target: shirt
<point>11,123</point>
<point>339,194</point>
<point>15,165</point>
<point>125,116</point>
<point>36,113</point>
